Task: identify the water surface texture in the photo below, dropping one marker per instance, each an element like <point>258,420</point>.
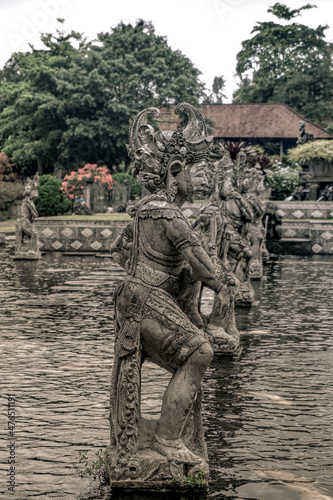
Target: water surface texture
<point>268,414</point>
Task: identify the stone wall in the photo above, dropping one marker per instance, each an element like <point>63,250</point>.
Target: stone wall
<point>304,238</point>
<point>86,235</point>
<point>300,210</point>
<point>294,210</point>
<point>306,228</point>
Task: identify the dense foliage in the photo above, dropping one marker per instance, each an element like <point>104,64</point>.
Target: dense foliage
<point>136,187</point>
<point>72,102</point>
<point>288,63</point>
<point>10,192</point>
<point>6,169</point>
<point>51,200</point>
<point>32,110</point>
<point>217,94</point>
<point>10,189</point>
<point>283,179</point>
<point>315,150</point>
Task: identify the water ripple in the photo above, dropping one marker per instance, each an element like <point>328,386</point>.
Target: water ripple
<point>268,414</point>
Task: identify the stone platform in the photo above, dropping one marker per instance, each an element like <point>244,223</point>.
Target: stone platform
<point>307,229</point>
<point>85,235</point>
<point>302,210</point>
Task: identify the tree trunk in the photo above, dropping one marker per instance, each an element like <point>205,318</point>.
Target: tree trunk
<point>40,166</point>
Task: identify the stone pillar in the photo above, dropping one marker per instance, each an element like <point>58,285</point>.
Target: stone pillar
<point>313,191</point>
<point>89,193</point>
<point>14,210</point>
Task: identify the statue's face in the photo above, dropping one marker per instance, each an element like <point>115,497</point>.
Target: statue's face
<point>246,185</point>
<point>241,158</point>
<point>199,177</point>
<point>191,179</point>
<point>34,194</point>
<point>225,188</point>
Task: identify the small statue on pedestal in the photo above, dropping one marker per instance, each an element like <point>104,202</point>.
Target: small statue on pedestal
<point>26,247</point>
<point>304,136</point>
<point>163,257</point>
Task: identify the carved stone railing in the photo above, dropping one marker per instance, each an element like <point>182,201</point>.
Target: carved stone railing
<point>73,236</point>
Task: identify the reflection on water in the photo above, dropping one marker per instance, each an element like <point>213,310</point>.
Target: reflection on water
<point>268,414</point>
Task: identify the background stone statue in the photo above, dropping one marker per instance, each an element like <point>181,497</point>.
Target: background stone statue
<point>254,230</point>
<point>220,324</point>
<point>304,136</point>
<point>163,257</point>
<point>236,213</point>
<point>26,245</point>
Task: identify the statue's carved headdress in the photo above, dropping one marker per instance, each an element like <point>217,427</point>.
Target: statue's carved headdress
<point>154,153</point>
<point>224,168</point>
<point>31,185</point>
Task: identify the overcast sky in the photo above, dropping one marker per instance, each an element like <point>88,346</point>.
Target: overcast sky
<point>208,32</point>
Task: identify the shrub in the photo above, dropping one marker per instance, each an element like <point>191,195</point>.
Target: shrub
<point>51,200</point>
<point>73,184</point>
<point>136,188</point>
<point>9,192</point>
<point>283,179</point>
<point>314,150</point>
<point>6,169</point>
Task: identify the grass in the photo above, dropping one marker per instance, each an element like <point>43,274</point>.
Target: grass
<point>8,226</point>
<point>7,229</point>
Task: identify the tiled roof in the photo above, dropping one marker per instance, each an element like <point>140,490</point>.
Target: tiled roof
<point>267,121</point>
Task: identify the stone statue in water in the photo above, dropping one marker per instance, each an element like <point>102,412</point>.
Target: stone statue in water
<point>163,257</point>
<point>26,246</point>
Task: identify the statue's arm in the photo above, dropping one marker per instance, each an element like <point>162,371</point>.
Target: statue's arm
<point>257,205</point>
<point>244,207</point>
<point>120,247</point>
<point>28,210</point>
<point>184,239</point>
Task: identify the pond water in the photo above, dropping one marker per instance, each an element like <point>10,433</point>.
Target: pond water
<point>268,414</point>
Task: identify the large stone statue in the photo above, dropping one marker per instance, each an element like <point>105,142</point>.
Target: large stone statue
<point>163,257</point>
<point>26,246</point>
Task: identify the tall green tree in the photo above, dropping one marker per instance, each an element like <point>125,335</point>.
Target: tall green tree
<point>32,114</point>
<point>72,103</point>
<point>126,70</point>
<point>217,93</point>
<point>288,63</point>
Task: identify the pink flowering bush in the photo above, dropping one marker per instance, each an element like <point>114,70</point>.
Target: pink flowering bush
<point>73,183</point>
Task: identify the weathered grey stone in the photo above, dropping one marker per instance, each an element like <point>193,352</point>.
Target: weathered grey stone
<point>77,236</point>
<point>27,246</point>
<point>163,258</point>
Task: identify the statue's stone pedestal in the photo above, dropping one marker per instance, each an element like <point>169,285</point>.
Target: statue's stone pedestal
<point>223,344</point>
<point>27,254</point>
<point>149,471</point>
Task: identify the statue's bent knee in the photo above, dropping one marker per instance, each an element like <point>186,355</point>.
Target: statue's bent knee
<point>205,354</point>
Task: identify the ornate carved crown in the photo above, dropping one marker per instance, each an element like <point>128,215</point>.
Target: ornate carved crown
<point>152,152</point>
<point>31,185</point>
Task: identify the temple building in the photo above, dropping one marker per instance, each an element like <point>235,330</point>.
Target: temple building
<point>253,123</point>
